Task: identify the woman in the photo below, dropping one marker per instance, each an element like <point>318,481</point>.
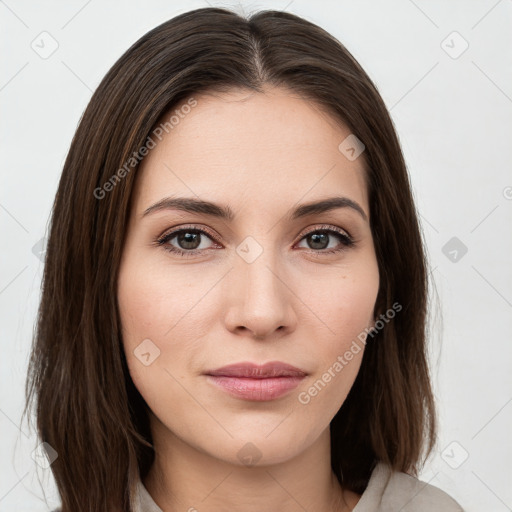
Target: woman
<point>235,292</point>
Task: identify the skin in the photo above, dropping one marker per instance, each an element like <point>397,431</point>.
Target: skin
<point>261,154</point>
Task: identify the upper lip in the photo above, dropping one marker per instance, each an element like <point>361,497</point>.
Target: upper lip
<point>256,371</point>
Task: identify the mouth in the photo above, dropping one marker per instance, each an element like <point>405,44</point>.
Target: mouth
<point>249,381</point>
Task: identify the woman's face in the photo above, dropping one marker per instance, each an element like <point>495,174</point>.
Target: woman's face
<point>264,285</point>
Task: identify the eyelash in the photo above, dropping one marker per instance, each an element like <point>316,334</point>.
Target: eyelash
<point>345,239</point>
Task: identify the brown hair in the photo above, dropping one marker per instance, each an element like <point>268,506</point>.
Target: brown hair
<point>87,407</point>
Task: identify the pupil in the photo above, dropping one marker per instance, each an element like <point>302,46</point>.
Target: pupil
<point>319,240</point>
<point>188,240</point>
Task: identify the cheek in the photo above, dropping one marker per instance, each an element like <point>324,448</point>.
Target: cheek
<point>161,319</point>
<point>338,356</point>
<point>354,312</point>
<point>152,300</point>
<point>140,309</point>
<point>345,305</point>
<point>156,320</point>
<point>345,308</point>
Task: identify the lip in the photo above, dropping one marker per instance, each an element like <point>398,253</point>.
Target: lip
<point>258,371</point>
<point>254,382</point>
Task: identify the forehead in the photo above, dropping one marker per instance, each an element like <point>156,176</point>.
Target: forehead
<point>262,148</point>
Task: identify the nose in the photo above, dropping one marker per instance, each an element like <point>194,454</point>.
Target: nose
<point>260,299</point>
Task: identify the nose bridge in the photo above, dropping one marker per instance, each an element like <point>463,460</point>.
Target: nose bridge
<point>259,299</point>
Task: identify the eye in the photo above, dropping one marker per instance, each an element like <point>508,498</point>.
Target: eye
<point>319,240</point>
<point>185,241</point>
<point>190,241</point>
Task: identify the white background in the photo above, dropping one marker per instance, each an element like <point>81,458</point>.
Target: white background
<point>454,120</point>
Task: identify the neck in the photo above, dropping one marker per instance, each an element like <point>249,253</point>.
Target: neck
<point>183,478</point>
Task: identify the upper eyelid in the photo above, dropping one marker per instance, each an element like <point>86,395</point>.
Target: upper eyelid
<point>173,231</point>
<point>327,227</point>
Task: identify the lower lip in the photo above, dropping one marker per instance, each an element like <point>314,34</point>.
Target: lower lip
<point>258,390</point>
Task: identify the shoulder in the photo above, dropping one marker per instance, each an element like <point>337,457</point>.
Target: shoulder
<point>409,494</point>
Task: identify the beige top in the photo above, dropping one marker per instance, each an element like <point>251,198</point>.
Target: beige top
<point>386,491</point>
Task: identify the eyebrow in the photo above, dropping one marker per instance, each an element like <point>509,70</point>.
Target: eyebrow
<point>192,205</point>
